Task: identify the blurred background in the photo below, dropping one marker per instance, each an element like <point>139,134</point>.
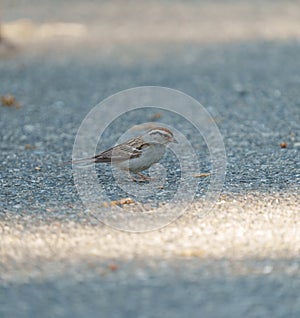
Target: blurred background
<point>241,60</point>
<point>144,26</point>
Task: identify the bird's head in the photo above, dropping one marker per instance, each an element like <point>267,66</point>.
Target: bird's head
<point>160,135</point>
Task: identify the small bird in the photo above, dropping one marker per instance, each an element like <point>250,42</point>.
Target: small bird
<point>136,154</point>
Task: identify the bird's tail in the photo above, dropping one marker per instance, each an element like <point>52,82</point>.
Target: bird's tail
<point>83,162</point>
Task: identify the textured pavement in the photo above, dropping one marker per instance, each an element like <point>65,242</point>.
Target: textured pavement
<point>242,259</point>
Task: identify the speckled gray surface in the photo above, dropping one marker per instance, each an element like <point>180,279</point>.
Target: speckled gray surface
<point>253,122</point>
<point>242,259</point>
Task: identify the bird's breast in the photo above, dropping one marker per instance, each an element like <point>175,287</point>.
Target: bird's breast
<point>150,155</point>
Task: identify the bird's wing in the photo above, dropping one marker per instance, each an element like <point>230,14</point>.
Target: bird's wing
<point>127,150</point>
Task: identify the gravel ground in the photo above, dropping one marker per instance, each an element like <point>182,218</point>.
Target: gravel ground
<point>242,259</point>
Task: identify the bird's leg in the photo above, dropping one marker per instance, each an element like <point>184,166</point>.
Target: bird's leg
<point>143,178</point>
<point>146,178</point>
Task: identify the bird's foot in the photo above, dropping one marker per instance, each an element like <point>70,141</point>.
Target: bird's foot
<point>142,178</point>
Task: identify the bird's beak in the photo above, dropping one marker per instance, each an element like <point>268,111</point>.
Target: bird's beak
<point>173,140</point>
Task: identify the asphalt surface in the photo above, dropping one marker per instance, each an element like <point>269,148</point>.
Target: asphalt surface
<point>242,259</point>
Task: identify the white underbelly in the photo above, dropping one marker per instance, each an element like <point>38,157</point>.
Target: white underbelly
<point>150,156</point>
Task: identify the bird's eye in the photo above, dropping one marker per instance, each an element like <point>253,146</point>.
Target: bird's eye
<point>145,145</point>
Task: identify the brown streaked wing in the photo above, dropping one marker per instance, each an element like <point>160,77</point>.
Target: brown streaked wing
<point>127,150</point>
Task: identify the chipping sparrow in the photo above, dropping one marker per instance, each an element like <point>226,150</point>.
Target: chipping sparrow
<point>136,154</point>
